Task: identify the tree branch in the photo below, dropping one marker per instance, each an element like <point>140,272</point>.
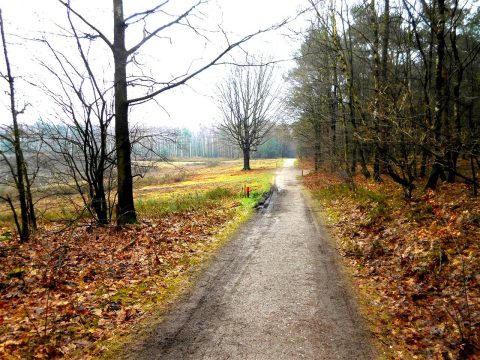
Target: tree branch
<point>163,27</point>
<point>86,22</point>
<point>206,66</point>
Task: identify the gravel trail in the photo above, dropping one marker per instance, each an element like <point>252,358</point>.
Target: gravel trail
<point>273,292</point>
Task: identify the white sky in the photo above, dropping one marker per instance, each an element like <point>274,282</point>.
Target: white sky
<point>179,50</point>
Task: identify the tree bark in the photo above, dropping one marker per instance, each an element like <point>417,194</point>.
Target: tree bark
<point>334,116</point>
<point>454,153</point>
<point>126,209</point>
<point>440,119</point>
<point>377,91</point>
<point>246,159</point>
<point>352,100</point>
<point>385,41</point>
<point>32,218</point>
<point>423,166</point>
<point>474,176</point>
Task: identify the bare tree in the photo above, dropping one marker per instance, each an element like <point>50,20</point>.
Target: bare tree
<point>248,106</point>
<point>402,72</point>
<point>11,137</point>
<point>122,57</point>
<point>78,147</point>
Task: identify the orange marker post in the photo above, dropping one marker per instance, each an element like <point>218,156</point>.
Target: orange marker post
<point>248,191</point>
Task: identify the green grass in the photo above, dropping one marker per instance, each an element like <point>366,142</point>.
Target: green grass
<point>208,188</point>
<point>218,193</point>
<point>169,189</point>
<point>155,207</point>
<point>6,235</point>
<point>160,179</point>
<point>376,203</point>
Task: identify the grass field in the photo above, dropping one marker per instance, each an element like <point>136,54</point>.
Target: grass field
<point>202,185</point>
<point>73,292</point>
<point>165,185</point>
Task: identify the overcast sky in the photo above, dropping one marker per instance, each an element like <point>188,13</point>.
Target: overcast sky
<point>178,51</point>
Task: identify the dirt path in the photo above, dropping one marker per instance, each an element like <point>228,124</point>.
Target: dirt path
<point>273,292</point>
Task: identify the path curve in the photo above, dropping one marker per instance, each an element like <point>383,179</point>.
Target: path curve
<point>273,292</point>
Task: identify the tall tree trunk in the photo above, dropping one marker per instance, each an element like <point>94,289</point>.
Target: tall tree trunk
<point>317,156</point>
<point>352,100</point>
<point>32,219</point>
<point>376,88</point>
<point>105,212</point>
<point>381,155</point>
<point>334,117</point>
<point>126,210</point>
<point>317,144</point>
<point>376,162</point>
<point>440,119</point>
<point>100,206</point>
<point>427,60</point>
<point>346,136</point>
<point>423,166</point>
<point>353,163</point>
<point>454,153</point>
<point>20,183</point>
<point>385,41</point>
<point>474,176</point>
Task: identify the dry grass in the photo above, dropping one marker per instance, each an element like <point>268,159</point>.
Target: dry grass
<point>168,181</point>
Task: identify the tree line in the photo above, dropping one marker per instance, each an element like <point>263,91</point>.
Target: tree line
<point>210,142</point>
<point>391,88</point>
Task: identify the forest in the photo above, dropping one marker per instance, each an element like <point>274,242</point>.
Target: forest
<point>391,89</point>
<point>386,97</point>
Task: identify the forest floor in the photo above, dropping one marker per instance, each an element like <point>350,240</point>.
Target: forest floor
<point>415,262</point>
<point>70,290</point>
